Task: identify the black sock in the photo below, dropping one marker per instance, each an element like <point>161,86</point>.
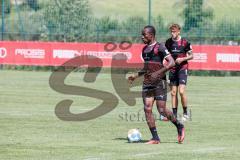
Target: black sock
<point>177,123</point>
<point>154,133</point>
<point>174,111</point>
<point>185,110</point>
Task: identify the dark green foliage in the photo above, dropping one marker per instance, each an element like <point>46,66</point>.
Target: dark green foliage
<point>107,29</point>
<point>69,20</point>
<point>195,15</point>
<point>134,25</point>
<point>33,4</point>
<point>233,28</point>
<point>106,24</point>
<point>7,7</point>
<point>158,22</point>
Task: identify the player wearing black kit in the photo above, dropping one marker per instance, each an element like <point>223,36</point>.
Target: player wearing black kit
<point>154,85</point>
<point>181,51</point>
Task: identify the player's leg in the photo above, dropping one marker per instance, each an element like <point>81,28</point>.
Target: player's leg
<point>162,109</point>
<point>148,101</point>
<point>174,98</point>
<point>161,98</point>
<point>174,82</point>
<point>148,105</point>
<point>182,90</point>
<point>161,105</point>
<point>183,96</point>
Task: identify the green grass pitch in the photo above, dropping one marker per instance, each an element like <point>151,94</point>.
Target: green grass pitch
<point>30,130</point>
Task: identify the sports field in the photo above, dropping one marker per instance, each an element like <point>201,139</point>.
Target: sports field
<point>30,129</point>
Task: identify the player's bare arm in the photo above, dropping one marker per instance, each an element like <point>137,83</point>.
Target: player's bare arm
<point>138,74</point>
<point>170,61</point>
<point>160,73</point>
<point>187,58</point>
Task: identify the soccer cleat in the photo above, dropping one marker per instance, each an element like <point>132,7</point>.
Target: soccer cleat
<point>153,141</point>
<point>181,133</point>
<point>185,118</point>
<point>163,118</point>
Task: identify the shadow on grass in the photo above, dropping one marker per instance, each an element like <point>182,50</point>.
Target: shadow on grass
<point>142,141</point>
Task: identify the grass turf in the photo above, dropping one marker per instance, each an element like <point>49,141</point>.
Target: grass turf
<point>31,130</point>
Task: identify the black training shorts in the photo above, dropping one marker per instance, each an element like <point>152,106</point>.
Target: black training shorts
<point>177,77</point>
<point>158,91</point>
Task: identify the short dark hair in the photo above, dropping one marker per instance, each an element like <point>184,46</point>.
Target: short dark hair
<point>175,26</point>
<point>151,29</point>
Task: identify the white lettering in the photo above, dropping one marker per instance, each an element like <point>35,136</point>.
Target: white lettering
<point>3,52</point>
<point>31,53</point>
<point>200,57</point>
<point>228,57</point>
<point>68,54</point>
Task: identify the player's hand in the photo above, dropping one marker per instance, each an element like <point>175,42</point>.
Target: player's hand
<point>131,79</point>
<point>179,60</point>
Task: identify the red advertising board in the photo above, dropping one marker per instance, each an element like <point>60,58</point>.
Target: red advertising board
<point>206,57</point>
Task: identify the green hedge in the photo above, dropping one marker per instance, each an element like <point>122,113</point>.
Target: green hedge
<point>115,70</point>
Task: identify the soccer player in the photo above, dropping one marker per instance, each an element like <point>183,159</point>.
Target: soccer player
<point>154,85</point>
<point>181,51</point>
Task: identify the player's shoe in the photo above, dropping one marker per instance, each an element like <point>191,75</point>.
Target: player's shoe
<point>185,117</point>
<point>163,118</point>
<point>153,141</point>
<point>181,133</point>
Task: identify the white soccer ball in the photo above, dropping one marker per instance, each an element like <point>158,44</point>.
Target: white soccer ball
<point>134,135</point>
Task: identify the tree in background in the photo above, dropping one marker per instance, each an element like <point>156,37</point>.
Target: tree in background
<point>7,7</point>
<point>134,24</point>
<point>161,28</point>
<point>195,15</point>
<point>106,28</point>
<point>113,30</point>
<point>228,30</point>
<point>159,23</point>
<point>33,4</point>
<point>68,20</point>
<point>106,24</point>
